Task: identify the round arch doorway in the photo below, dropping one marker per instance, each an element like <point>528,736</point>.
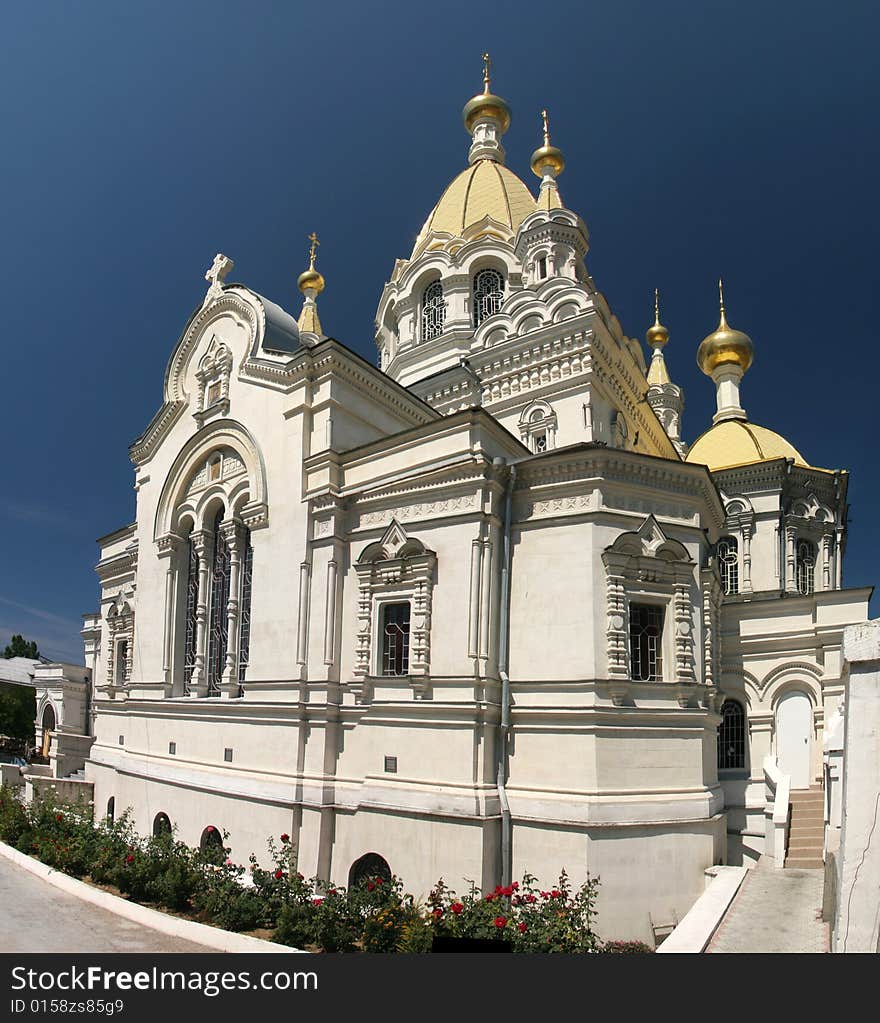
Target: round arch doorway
<point>794,730</point>
<point>49,726</point>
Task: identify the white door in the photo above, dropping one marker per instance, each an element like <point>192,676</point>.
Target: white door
<point>794,726</point>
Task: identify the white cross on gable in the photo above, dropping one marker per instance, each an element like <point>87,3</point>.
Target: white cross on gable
<point>219,269</point>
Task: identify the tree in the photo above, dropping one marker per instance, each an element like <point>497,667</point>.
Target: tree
<point>19,647</point>
<point>18,707</point>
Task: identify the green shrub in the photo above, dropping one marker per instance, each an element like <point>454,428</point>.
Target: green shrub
<point>626,948</point>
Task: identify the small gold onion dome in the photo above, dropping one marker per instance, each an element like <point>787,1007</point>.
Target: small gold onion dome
<point>311,278</point>
<point>547,155</point>
<point>486,104</point>
<point>657,335</point>
<point>724,346</point>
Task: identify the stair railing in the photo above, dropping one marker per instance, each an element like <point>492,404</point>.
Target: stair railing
<point>778,797</point>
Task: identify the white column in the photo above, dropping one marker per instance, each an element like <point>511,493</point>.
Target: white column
<point>485,602</point>
<point>474,610</point>
<point>826,561</point>
<point>747,559</point>
<point>169,551</point>
<point>790,575</point>
<point>302,619</point>
<point>838,559</point>
<point>229,683</point>
<point>330,613</point>
<point>203,543</point>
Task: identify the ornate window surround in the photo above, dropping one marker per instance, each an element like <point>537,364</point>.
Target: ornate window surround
<point>214,371</point>
<point>120,622</point>
<point>814,522</point>
<point>391,570</point>
<point>646,567</point>
<point>740,519</point>
<point>538,418</point>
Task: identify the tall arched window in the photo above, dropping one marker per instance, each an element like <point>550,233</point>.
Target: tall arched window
<point>161,825</point>
<point>433,311</point>
<point>218,621</point>
<point>728,563</point>
<point>488,294</point>
<point>732,736</point>
<point>192,599</point>
<point>805,566</point>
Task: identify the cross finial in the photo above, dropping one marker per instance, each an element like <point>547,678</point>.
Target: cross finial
<point>487,63</point>
<point>546,121</point>
<point>723,322</point>
<point>313,249</point>
<point>656,307</point>
<point>219,269</point>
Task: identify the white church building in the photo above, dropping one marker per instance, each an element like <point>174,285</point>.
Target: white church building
<point>479,609</point>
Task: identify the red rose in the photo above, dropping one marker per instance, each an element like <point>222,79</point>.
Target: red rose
<point>489,897</point>
<point>129,858</point>
<point>370,886</point>
<point>378,880</point>
<point>437,914</point>
<point>515,885</point>
<point>317,902</point>
<point>556,894</point>
<point>531,898</point>
<point>58,817</point>
<point>545,895</point>
<point>279,874</point>
<point>209,828</point>
<point>499,890</point>
<point>522,928</point>
<point>285,838</point>
<point>500,921</point>
<point>457,907</point>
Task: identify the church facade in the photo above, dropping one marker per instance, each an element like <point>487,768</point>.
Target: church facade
<point>479,609</point>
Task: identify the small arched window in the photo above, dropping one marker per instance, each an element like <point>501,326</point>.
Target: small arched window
<point>728,563</point>
<point>211,845</point>
<point>488,294</point>
<point>111,809</point>
<point>161,825</point>
<point>368,868</point>
<point>433,311</point>
<point>732,736</point>
<point>805,566</point>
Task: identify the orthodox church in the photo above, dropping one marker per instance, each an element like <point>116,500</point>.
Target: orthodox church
<point>478,609</point>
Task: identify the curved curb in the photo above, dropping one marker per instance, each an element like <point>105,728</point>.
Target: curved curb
<point>189,930</point>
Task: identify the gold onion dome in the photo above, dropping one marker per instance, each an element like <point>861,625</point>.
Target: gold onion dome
<point>657,335</point>
<point>311,279</point>
<point>486,104</point>
<point>547,156</point>
<point>724,346</point>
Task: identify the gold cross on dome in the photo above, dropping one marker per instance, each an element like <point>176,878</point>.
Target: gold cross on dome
<point>487,63</point>
<point>546,121</point>
<point>313,249</point>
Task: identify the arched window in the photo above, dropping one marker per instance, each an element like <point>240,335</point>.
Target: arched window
<point>111,809</point>
<point>728,563</point>
<point>219,621</point>
<point>367,868</point>
<point>732,736</point>
<point>211,845</point>
<point>433,311</point>
<point>805,566</point>
<point>161,825</point>
<point>192,599</point>
<point>488,294</point>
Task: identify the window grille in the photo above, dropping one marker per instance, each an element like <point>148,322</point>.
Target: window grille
<point>645,641</point>
<point>728,563</point>
<point>219,596</point>
<point>540,442</point>
<point>732,736</point>
<point>244,634</point>
<point>395,638</point>
<point>192,599</point>
<point>488,294</point>
<point>433,311</point>
<point>805,566</point>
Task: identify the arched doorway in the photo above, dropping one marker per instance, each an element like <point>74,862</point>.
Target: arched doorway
<point>794,729</point>
<point>369,866</point>
<point>48,723</point>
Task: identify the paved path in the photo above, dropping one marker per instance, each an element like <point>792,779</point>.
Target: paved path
<point>774,911</point>
<point>35,916</point>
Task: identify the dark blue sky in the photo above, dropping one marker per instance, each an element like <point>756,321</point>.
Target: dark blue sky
<point>142,138</point>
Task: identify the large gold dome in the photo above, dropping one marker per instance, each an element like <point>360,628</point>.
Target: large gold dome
<point>737,442</point>
<point>486,189</point>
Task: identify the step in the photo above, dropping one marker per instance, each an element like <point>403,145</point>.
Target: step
<point>805,849</point>
<point>804,863</point>
<point>807,835</point>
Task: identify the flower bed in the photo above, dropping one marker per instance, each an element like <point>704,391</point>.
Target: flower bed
<point>374,916</point>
